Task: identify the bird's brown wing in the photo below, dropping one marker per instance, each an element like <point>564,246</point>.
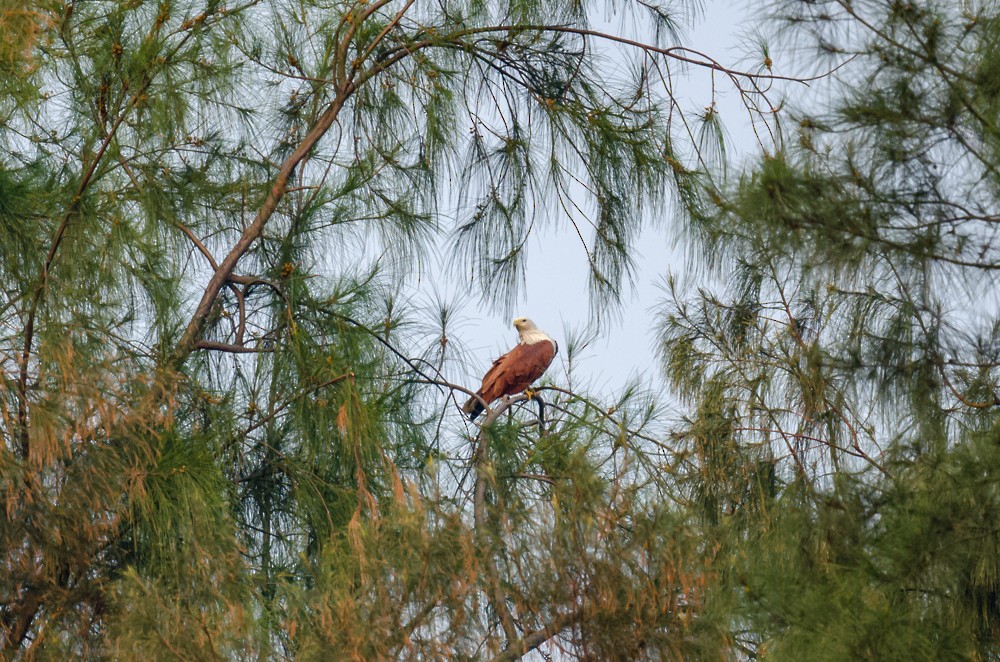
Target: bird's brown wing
<point>474,407</point>
<point>516,370</point>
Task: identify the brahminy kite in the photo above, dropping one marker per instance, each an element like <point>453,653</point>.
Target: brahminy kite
<point>517,369</point>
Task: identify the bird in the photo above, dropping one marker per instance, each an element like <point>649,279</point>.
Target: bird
<point>517,369</point>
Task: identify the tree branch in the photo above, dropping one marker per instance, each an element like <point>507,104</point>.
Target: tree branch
<point>533,640</point>
<point>232,349</point>
<point>484,474</point>
<point>253,231</point>
<point>43,280</point>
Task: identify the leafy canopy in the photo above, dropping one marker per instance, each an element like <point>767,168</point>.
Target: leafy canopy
<point>224,434</point>
<point>843,379</point>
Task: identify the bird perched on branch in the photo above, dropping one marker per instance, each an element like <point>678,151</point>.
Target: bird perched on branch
<point>517,369</point>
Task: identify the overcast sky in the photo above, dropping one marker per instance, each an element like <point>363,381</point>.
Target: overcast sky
<point>556,297</point>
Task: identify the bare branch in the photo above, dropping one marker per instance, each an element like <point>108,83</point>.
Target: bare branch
<point>532,640</point>
<point>233,349</point>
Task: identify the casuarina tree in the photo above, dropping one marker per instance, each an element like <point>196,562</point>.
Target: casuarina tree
<point>226,434</point>
<point>843,377</point>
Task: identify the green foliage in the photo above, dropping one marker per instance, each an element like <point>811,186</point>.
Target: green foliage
<point>903,567</point>
<point>227,433</point>
<point>224,436</point>
<point>844,377</point>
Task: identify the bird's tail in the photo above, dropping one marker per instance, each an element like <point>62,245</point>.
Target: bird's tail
<point>474,407</point>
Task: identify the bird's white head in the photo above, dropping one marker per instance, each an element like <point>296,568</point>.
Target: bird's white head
<point>528,332</point>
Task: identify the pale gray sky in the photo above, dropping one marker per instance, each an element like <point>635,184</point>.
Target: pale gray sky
<point>556,297</point>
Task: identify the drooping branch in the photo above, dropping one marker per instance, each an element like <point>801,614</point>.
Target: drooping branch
<point>252,232</point>
<point>349,78</point>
